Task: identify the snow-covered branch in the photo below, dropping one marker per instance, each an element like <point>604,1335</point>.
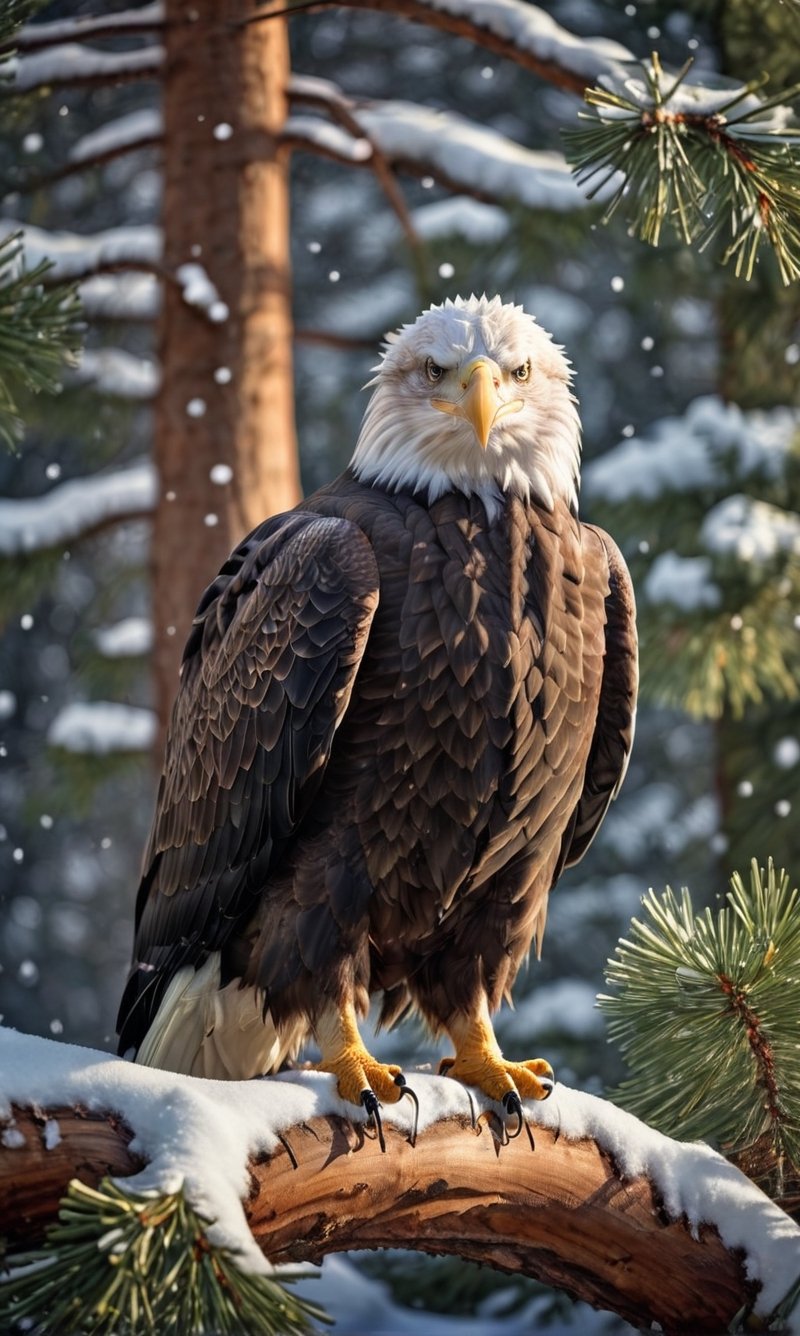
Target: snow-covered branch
<point>100,727</point>
<point>76,508</point>
<point>71,64</point>
<point>74,255</point>
<point>127,23</point>
<point>510,28</point>
<point>603,1207</point>
<point>462,155</point>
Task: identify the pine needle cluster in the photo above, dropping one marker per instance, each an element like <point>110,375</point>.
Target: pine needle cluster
<point>712,162</point>
<point>39,332</point>
<point>125,1263</point>
<point>707,1014</point>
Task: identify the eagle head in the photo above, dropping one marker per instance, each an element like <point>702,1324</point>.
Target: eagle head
<point>474,396</point>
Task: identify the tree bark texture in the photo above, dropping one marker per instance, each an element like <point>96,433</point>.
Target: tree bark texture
<point>560,1213</point>
<point>227,389</point>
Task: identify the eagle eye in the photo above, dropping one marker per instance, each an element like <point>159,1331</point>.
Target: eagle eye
<point>522,373</point>
<point>433,371</point>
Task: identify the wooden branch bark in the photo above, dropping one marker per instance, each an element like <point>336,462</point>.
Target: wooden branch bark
<point>560,1213</point>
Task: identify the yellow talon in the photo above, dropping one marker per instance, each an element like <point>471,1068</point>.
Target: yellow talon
<point>479,1062</point>
<point>355,1069</point>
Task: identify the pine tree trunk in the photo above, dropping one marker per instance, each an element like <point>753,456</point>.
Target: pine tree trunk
<point>227,396</point>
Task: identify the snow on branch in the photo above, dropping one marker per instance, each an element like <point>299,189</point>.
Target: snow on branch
<point>71,64</point>
<point>694,451</point>
<point>462,155</point>
<point>124,296</point>
<point>138,129</point>
<point>127,23</point>
<point>74,509</point>
<point>510,28</point>
<point>117,373</point>
<point>73,255</point>
<point>132,636</point>
<point>100,727</point>
<point>604,1207</point>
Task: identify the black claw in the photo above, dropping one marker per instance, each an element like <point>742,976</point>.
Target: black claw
<point>472,1110</point>
<point>401,1081</point>
<point>512,1104</point>
<point>371,1103</point>
<point>549,1084</point>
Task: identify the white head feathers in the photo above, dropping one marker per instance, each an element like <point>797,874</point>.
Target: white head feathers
<point>419,430</point>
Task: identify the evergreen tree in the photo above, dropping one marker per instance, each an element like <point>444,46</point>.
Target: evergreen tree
<point>710,173</point>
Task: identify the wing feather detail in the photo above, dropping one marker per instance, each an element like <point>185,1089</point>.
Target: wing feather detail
<point>266,680</point>
<point>616,715</point>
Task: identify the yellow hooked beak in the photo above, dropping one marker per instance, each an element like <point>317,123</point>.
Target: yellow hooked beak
<point>481,405</point>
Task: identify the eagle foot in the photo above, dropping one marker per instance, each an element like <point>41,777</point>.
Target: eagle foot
<point>506,1082</point>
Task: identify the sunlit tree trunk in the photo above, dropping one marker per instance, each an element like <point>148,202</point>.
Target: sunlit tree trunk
<point>225,443</point>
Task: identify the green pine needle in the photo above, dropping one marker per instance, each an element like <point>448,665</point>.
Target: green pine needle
<point>39,333</point>
<point>707,1015</point>
<point>129,1264</point>
<point>711,172</point>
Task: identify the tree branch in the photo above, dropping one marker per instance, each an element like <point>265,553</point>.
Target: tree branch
<point>561,1213</point>
<point>127,23</point>
<point>537,42</point>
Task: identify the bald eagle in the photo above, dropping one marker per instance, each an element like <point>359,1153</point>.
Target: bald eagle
<point>404,708</point>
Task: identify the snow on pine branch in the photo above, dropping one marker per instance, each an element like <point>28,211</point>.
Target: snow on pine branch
<point>126,132</point>
<point>750,530</point>
<point>116,372</point>
<point>202,1134</point>
<point>74,64</point>
<point>90,25</point>
<point>682,454</point>
<point>98,728</point>
<point>74,255</point>
<point>131,637</point>
<point>316,135</point>
<point>682,582</point>
<point>460,153</point>
<point>75,508</point>
<point>534,31</point>
<point>123,296</point>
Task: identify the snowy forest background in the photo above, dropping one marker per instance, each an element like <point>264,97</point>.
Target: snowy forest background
<point>688,384</point>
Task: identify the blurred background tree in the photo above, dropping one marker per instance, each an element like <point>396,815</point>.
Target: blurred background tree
<point>688,384</point>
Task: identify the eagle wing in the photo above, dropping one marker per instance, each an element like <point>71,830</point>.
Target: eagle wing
<point>266,680</point>
<point>616,714</point>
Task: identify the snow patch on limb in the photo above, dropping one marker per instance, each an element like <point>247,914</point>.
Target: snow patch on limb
<point>64,30</point>
<point>480,224</point>
<point>470,155</point>
<point>202,1134</point>
<point>121,297</point>
<point>98,728</point>
<point>74,508</point>
<point>72,63</point>
<point>531,29</point>
<point>683,582</point>
<point>314,133</point>
<point>132,636</point>
<point>749,529</point>
<point>681,454</point>
<point>73,256</point>
<point>116,372</point>
<point>693,1181</point>
<point>137,127</point>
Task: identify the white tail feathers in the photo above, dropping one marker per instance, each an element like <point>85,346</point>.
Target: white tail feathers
<point>201,1029</point>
